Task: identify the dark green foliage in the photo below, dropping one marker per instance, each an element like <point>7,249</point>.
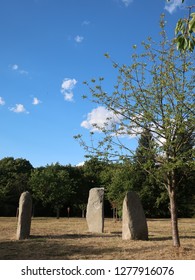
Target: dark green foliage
<point>117,180</point>
<point>14,179</point>
<point>144,179</point>
<point>56,187</point>
<point>81,187</point>
<point>92,171</point>
<point>52,186</point>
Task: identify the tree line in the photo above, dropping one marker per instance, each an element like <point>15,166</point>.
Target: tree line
<point>56,187</point>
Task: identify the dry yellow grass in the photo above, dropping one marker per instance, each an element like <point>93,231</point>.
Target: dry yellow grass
<point>69,239</point>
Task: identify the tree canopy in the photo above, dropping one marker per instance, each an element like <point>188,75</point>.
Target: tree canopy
<point>51,185</point>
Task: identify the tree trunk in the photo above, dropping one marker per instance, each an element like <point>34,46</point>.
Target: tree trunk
<point>174,221</point>
<point>116,214</point>
<point>113,213</point>
<point>17,212</point>
<point>58,213</point>
<point>173,210</point>
<point>33,210</point>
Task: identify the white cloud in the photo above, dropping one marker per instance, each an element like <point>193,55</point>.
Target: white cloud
<point>99,118</point>
<point>36,101</point>
<point>67,88</point>
<point>79,39</point>
<point>19,108</point>
<point>2,102</point>
<point>127,2</point>
<point>68,96</point>
<point>80,164</point>
<point>68,84</point>
<point>173,5</point>
<point>14,67</point>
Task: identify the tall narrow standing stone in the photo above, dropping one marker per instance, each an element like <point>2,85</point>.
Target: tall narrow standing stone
<point>134,225</point>
<point>24,217</point>
<point>95,210</point>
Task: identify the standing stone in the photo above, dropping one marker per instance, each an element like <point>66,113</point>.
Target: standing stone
<point>24,217</point>
<point>95,210</point>
<point>134,225</point>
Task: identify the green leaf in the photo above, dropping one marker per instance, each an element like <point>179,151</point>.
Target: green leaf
<point>179,26</point>
<point>107,55</point>
<point>192,24</point>
<point>191,46</point>
<point>180,40</point>
<point>186,43</point>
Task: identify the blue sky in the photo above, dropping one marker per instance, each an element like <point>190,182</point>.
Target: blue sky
<point>48,48</point>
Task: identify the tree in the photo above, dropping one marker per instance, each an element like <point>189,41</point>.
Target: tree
<point>186,178</point>
<point>14,178</point>
<point>145,154</point>
<point>155,91</point>
<point>144,168</point>
<point>51,185</point>
<point>92,171</point>
<point>80,186</point>
<point>117,179</point>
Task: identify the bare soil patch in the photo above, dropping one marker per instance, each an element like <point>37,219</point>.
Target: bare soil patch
<point>69,239</point>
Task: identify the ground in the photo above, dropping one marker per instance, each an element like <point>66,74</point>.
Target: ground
<point>69,239</point>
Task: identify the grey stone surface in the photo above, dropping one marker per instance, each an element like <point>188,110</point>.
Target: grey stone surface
<point>24,217</point>
<point>134,224</point>
<point>95,210</point>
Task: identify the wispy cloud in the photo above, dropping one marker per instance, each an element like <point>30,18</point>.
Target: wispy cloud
<point>85,22</point>
<point>126,2</point>
<point>67,88</point>
<point>173,5</point>
<point>79,39</point>
<point>2,102</point>
<point>23,72</point>
<point>36,101</point>
<point>15,67</point>
<point>19,108</point>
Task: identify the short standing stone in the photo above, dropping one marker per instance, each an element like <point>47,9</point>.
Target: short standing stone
<point>24,217</point>
<point>95,210</point>
<point>134,225</point>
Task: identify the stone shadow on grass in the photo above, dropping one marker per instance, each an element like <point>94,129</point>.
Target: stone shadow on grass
<point>75,236</point>
<point>101,235</point>
<point>40,250</point>
<point>165,238</point>
<point>45,248</point>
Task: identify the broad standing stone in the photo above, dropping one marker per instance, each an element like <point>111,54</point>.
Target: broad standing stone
<point>134,225</point>
<point>24,217</point>
<point>95,210</point>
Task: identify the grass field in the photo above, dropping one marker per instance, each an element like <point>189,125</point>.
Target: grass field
<point>69,239</point>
